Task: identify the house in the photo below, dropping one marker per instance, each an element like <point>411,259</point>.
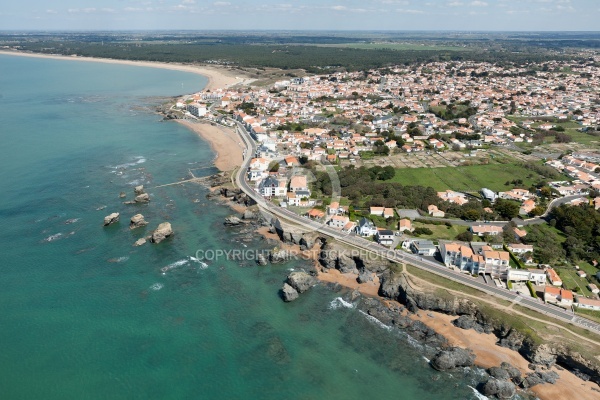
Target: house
<point>518,248</point>
<point>453,197</point>
<point>291,161</point>
<point>338,221</point>
<point>581,274</point>
<point>272,187</point>
<point>376,211</point>
<point>553,277</point>
<point>385,237</point>
<point>366,227</point>
<point>496,263</point>
<point>593,288</point>
<point>519,233</point>
<point>334,208</point>
<point>315,213</point>
<point>349,227</point>
<point>434,211</point>
<point>588,304</point>
<point>538,277</point>
<point>481,230</point>
<point>526,207</point>
<point>405,225</point>
<point>461,256</point>
<point>423,247</point>
<point>558,296</point>
<point>298,183</point>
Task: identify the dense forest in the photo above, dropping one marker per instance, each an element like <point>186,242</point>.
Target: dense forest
<point>581,226</point>
<point>312,52</point>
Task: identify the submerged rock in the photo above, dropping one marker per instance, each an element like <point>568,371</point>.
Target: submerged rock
<point>248,215</point>
<point>261,259</point>
<point>111,219</point>
<point>137,221</point>
<point>163,231</point>
<point>288,293</point>
<point>453,358</point>
<point>122,195</point>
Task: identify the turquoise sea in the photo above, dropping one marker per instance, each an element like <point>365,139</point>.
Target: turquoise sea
<point>85,315</point>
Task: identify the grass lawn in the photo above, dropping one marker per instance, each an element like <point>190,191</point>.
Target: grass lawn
<point>588,268</point>
<point>571,280</point>
<point>470,178</point>
<point>441,231</point>
<point>548,230</point>
<point>589,314</point>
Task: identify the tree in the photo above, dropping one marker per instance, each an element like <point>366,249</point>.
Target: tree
<point>273,166</point>
<point>471,215</point>
<point>506,208</point>
<point>466,236</point>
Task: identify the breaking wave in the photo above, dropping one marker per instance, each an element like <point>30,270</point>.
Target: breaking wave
<point>157,286</point>
<point>375,321</point>
<point>338,302</point>
<point>54,237</point>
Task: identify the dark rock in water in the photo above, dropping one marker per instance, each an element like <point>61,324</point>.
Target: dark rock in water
<point>111,219</point>
<point>232,220</point>
<point>138,190</point>
<point>467,322</point>
<point>452,358</point>
<point>122,195</point>
<point>301,281</point>
<point>354,295</point>
<point>137,221</point>
<point>261,259</point>
<point>498,388</point>
<point>163,231</point>
<point>277,351</point>
<point>142,198</point>
<point>289,293</point>
<point>506,371</point>
<point>365,276</point>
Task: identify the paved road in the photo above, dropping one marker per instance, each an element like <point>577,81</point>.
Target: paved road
<point>396,255</point>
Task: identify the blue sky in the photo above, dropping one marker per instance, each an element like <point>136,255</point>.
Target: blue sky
<point>558,15</point>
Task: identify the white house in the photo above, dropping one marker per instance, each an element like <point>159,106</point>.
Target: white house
<point>366,227</point>
<point>385,237</point>
<point>588,304</point>
<point>338,221</point>
<point>272,187</point>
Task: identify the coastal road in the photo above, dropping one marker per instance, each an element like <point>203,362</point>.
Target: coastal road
<point>396,255</point>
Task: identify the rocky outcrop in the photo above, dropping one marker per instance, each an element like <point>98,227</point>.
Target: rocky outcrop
<point>111,219</point>
<point>301,281</point>
<point>247,215</point>
<point>122,195</point>
<point>505,372</point>
<point>232,220</point>
<point>468,322</point>
<point>499,388</point>
<point>452,358</point>
<point>140,242</point>
<point>335,256</point>
<point>278,256</point>
<point>539,377</point>
<point>137,221</point>
<point>163,231</point>
<point>261,259</point>
<point>397,286</point>
<point>365,276</point>
<point>288,293</point>
<point>142,198</point>
<point>309,240</point>
<point>139,190</point>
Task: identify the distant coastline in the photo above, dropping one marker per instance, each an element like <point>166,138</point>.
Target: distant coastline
<point>217,77</point>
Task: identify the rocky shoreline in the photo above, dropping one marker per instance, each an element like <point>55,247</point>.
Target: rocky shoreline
<point>399,301</point>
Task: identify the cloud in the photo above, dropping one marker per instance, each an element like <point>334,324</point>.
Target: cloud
<point>455,4</point>
<point>478,3</point>
<point>409,11</point>
<point>91,10</point>
<point>221,3</point>
<point>339,8</point>
<point>51,12</point>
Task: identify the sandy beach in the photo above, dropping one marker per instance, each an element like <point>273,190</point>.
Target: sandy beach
<point>225,142</point>
<point>218,77</point>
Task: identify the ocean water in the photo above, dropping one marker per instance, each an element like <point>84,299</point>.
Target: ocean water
<point>85,315</point>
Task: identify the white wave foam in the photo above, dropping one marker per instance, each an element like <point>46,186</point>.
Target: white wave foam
<point>141,160</point>
<point>54,237</point>
<point>118,259</point>
<point>376,321</point>
<point>174,265</point>
<point>477,394</point>
<point>157,286</point>
<point>338,302</point>
<point>72,221</point>
<point>426,359</point>
<point>203,265</point>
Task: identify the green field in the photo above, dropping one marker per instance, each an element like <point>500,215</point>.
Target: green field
<point>441,231</point>
<point>571,280</point>
<point>470,178</point>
